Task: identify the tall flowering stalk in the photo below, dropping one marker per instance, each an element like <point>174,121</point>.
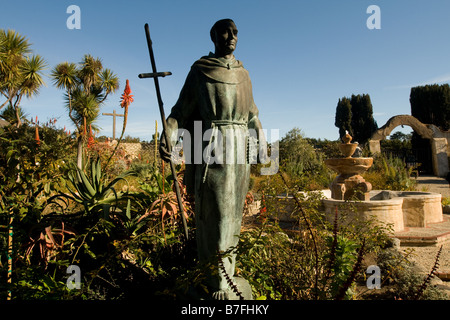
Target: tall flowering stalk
<point>125,100</point>
<point>38,141</point>
<point>36,134</point>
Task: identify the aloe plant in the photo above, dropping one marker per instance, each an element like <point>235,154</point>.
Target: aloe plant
<point>93,191</point>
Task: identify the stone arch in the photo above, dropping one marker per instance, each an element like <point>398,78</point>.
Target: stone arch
<point>404,119</point>
<point>438,138</point>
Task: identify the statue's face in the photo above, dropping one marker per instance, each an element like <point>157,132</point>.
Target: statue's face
<point>226,38</point>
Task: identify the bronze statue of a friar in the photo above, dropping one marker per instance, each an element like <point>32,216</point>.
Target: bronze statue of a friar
<point>217,101</point>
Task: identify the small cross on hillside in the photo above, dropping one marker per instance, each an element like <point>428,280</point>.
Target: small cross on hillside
<point>114,115</point>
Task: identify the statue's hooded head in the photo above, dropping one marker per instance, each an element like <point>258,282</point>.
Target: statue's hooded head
<point>224,35</point>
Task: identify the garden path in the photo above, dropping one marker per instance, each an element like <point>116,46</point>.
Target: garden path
<point>433,184</point>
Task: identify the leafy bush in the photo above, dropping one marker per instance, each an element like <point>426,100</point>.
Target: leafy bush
<point>32,165</point>
<point>401,279</point>
<point>389,173</point>
<point>302,163</point>
<point>30,169</point>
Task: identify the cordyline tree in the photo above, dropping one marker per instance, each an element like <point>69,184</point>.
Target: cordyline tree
<point>20,71</point>
<point>356,116</point>
<point>87,86</point>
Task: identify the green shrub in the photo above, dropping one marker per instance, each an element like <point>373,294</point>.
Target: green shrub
<point>389,173</point>
<point>402,278</point>
<point>300,161</point>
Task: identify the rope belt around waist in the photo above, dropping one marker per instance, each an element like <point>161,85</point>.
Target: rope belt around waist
<point>214,125</point>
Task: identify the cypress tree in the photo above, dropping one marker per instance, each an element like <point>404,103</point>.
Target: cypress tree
<point>430,104</point>
<point>356,116</point>
<point>363,123</point>
<point>343,116</point>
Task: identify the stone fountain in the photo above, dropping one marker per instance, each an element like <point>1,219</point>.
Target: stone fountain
<point>399,209</point>
<point>349,183</point>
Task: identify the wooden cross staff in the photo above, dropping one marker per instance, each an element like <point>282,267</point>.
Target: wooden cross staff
<point>114,115</point>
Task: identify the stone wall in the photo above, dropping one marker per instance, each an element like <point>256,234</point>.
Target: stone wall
<point>132,150</point>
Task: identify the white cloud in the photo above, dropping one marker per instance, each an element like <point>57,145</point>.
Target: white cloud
<point>436,80</point>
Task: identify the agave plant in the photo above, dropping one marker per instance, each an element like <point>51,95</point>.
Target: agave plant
<point>92,191</point>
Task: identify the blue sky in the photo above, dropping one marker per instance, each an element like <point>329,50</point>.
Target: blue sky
<point>302,55</point>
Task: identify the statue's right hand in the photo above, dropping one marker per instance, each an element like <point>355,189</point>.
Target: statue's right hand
<point>163,152</point>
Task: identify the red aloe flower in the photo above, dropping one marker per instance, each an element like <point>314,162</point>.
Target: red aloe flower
<point>127,98</point>
<point>38,141</point>
<point>125,101</point>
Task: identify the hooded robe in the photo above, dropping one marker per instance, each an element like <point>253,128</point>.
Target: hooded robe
<point>218,95</point>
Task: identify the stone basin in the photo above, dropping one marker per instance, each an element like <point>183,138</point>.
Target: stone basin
<point>348,149</point>
<point>400,209</point>
<point>349,165</point>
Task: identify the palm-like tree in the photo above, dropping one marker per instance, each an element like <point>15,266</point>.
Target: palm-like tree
<point>13,48</point>
<point>20,72</point>
<point>64,77</point>
<point>10,114</point>
<point>109,82</point>
<point>87,86</point>
<point>86,108</point>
